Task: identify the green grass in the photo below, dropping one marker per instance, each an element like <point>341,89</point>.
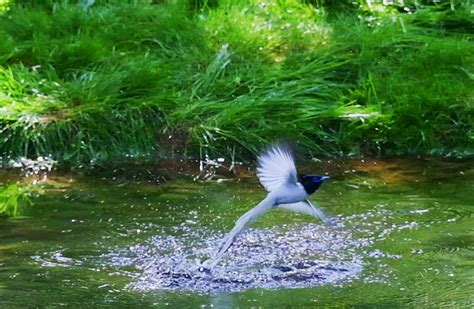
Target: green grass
<point>14,198</point>
<point>418,79</point>
<point>117,80</point>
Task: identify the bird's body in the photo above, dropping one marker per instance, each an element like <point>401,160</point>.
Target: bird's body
<point>277,173</point>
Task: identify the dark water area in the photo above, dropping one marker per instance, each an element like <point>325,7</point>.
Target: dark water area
<point>405,238</point>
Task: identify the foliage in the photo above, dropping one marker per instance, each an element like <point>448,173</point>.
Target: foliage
<point>13,198</point>
<point>95,81</point>
<point>418,79</point>
<point>85,85</point>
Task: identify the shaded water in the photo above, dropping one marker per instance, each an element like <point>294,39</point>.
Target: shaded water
<point>407,238</point>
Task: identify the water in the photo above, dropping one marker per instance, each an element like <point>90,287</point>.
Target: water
<point>406,239</point>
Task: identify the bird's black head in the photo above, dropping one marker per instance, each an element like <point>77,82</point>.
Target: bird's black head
<point>311,183</point>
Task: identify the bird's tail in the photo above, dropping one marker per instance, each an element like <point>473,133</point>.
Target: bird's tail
<point>317,212</point>
<point>246,219</point>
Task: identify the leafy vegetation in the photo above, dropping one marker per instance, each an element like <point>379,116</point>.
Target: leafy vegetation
<point>14,197</point>
<point>90,82</point>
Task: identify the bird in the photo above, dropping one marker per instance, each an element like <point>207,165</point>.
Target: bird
<point>286,189</point>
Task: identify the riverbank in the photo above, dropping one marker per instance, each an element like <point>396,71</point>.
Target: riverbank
<point>114,82</point>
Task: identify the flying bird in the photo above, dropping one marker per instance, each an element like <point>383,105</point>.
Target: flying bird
<point>286,189</point>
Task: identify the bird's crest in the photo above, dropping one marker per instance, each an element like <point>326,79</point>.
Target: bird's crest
<point>311,183</point>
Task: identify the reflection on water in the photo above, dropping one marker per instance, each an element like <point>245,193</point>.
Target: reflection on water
<point>406,236</point>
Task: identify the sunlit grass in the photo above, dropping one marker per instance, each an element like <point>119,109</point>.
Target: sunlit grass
<point>3,5</point>
<point>13,198</point>
<point>416,77</point>
<point>114,80</point>
<point>267,30</point>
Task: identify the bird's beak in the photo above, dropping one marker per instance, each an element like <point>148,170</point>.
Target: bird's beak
<point>325,178</point>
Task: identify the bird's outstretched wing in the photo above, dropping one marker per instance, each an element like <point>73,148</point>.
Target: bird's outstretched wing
<point>305,207</point>
<point>247,218</point>
<point>276,166</point>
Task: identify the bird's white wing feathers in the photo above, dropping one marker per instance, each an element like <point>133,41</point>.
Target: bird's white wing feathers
<point>305,207</point>
<point>276,166</point>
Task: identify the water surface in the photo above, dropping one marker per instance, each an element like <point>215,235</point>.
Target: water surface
<point>406,238</point>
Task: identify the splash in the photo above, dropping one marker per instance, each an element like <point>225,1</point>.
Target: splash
<point>40,166</point>
<point>290,256</point>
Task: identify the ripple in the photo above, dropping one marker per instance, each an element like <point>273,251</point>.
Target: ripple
<point>295,255</point>
<point>55,259</point>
